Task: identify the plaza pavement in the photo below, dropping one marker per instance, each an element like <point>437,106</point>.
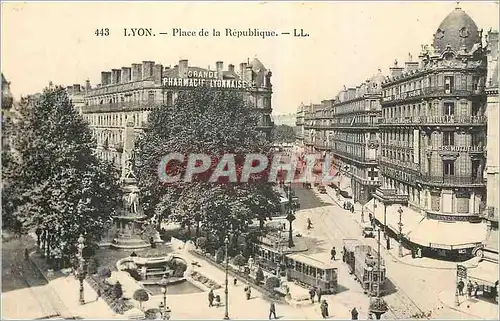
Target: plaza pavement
<point>474,308</point>
<point>418,287</point>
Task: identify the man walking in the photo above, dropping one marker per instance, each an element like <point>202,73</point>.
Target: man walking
<point>272,311</point>
<point>469,289</point>
<point>312,293</point>
<point>354,314</point>
<point>211,298</point>
<point>460,287</point>
<point>324,309</point>
<point>333,252</point>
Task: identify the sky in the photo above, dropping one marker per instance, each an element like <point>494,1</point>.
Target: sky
<point>348,41</point>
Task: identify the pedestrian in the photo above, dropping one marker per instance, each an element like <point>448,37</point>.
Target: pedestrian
<point>312,293</point>
<point>345,206</point>
<point>354,314</point>
<point>324,309</point>
<point>211,298</point>
<point>352,208</point>
<point>460,287</point>
<point>249,293</point>
<point>217,300</point>
<point>235,280</point>
<point>370,217</point>
<point>333,252</point>
<point>476,289</point>
<point>469,289</point>
<point>272,311</point>
<point>319,294</point>
<point>98,294</point>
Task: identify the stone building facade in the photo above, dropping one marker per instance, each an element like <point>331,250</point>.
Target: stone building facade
<point>433,124</point>
<point>129,94</point>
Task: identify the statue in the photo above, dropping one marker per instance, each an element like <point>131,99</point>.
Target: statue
<point>133,202</point>
<point>128,169</point>
<point>250,263</point>
<point>410,58</point>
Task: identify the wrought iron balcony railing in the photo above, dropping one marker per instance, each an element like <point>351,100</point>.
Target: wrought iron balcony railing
<point>450,180</point>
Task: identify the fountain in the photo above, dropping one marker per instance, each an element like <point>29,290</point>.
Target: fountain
<point>130,218</point>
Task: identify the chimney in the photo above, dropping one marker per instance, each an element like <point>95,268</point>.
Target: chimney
<point>230,67</point>
<point>183,68</point>
<point>243,66</point>
<point>115,76</point>
<point>158,73</point>
<point>219,66</point>
<point>105,78</point>
<point>69,89</point>
<point>147,69</point>
<point>351,93</point>
<point>126,74</point>
<point>136,72</point>
<point>248,73</point>
<point>395,70</point>
<point>87,85</point>
<point>76,88</point>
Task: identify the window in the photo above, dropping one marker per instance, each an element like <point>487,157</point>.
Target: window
<point>448,84</point>
<point>151,96</point>
<point>448,138</point>
<point>449,109</point>
<point>448,167</point>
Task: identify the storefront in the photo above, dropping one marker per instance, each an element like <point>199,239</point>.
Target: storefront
<point>485,274</point>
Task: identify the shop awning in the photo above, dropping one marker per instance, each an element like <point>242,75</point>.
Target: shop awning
<point>491,242</point>
<point>485,273</point>
<point>409,218</point>
<point>448,235</point>
<point>345,186</point>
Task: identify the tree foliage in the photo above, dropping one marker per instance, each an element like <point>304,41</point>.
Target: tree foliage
<point>141,295</point>
<point>56,183</point>
<point>209,122</point>
<point>283,134</point>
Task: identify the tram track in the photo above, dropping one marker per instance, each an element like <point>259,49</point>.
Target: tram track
<point>404,307</point>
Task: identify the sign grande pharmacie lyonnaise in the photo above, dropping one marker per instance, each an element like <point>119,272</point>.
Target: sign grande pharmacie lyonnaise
<point>205,78</point>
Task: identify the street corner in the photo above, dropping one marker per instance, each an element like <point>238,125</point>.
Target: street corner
<point>472,307</point>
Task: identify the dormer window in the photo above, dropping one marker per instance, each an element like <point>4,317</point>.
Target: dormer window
<point>463,32</point>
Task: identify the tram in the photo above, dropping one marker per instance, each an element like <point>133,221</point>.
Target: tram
<point>309,272</point>
<point>363,262</point>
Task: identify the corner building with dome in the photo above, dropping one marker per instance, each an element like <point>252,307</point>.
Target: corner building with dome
<point>127,95</point>
<point>427,125</point>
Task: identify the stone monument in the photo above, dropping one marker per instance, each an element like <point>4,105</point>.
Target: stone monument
<point>130,217</point>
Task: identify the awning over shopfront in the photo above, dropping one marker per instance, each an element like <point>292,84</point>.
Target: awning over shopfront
<point>409,218</point>
<point>448,235</point>
<point>345,186</point>
<point>485,273</point>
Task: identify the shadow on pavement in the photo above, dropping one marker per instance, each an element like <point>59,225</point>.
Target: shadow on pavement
<point>308,199</point>
<point>389,288</point>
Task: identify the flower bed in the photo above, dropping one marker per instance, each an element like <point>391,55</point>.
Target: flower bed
<point>211,284</point>
<point>117,304</point>
<point>241,275</point>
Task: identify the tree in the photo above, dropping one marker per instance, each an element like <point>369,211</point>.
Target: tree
<point>117,290</point>
<point>283,134</point>
<point>259,275</point>
<point>141,295</point>
<point>56,183</point>
<point>210,122</point>
<point>239,260</point>
<point>272,282</point>
<point>104,272</point>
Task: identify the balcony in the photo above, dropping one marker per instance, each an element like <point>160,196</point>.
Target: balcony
<point>402,165</point>
<point>352,125</point>
<point>435,121</point>
<point>122,106</point>
<point>119,88</point>
<point>450,180</point>
<point>399,144</point>
<point>438,91</point>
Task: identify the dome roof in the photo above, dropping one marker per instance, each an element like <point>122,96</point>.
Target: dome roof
<point>377,78</point>
<point>257,65</point>
<point>457,30</point>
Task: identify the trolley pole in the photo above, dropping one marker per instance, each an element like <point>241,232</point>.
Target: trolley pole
<point>378,263</point>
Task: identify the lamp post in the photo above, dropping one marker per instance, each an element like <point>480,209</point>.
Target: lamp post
<point>400,224</point>
<point>164,309</point>
<point>226,312</point>
<point>81,269</point>
<point>362,206</point>
<point>290,217</point>
<point>377,305</point>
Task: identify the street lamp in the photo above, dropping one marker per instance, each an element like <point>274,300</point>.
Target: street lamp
<point>81,269</point>
<point>378,306</point>
<point>226,312</point>
<point>164,309</point>
<point>400,224</point>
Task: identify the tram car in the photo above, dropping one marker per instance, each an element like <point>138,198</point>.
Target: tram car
<point>309,272</point>
<point>362,261</point>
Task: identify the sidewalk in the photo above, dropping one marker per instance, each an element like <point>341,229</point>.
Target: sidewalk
<point>475,308</point>
<point>393,252</point>
<point>64,294</point>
